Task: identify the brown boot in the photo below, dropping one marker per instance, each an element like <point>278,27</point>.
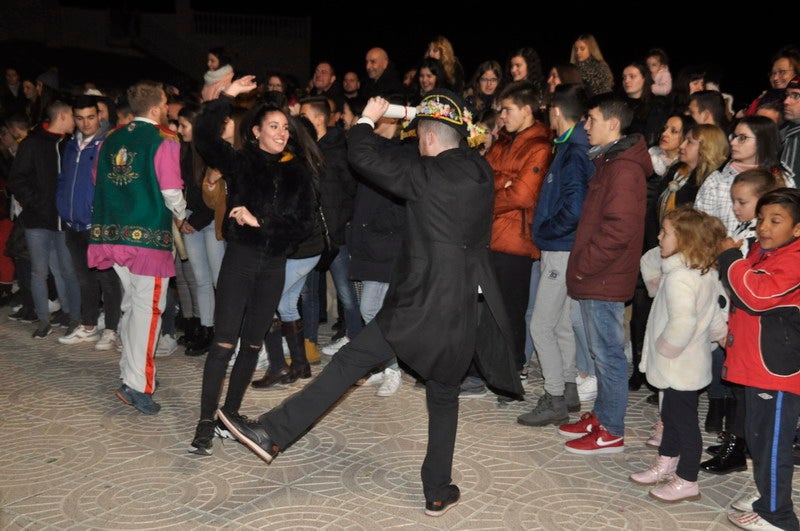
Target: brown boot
<point>312,352</point>
<point>271,378</point>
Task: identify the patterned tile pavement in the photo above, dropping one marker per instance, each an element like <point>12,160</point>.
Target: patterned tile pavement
<point>75,457</point>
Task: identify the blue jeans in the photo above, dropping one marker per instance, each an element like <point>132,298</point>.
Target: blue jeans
<point>49,253</point>
<point>205,255</point>
<point>297,270</point>
<point>372,295</point>
<point>345,292</point>
<point>583,358</point>
<point>605,332</point>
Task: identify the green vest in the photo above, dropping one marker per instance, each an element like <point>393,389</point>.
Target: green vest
<point>128,206</point>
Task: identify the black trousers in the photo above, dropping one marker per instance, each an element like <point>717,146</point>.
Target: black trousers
<point>248,290</point>
<point>514,278</point>
<point>682,435</point>
<point>770,425</point>
<point>93,283</point>
<point>369,349</point>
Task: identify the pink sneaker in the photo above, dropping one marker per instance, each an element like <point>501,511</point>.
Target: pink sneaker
<point>676,490</point>
<point>662,470</point>
<point>586,424</point>
<point>598,441</point>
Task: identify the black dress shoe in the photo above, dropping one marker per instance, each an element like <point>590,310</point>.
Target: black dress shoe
<point>303,373</point>
<point>252,434</point>
<point>271,378</point>
<point>439,507</point>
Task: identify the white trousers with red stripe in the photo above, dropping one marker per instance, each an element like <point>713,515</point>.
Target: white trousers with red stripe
<point>143,301</point>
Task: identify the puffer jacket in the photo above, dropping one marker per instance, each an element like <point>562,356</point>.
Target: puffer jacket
<point>520,163</point>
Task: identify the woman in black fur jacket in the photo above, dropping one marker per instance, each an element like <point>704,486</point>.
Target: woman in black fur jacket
<point>271,204</point>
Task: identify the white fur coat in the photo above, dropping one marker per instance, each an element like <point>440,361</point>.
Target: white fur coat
<point>684,322</point>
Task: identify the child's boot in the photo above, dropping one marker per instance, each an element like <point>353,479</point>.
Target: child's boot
<point>676,490</point>
<point>662,470</point>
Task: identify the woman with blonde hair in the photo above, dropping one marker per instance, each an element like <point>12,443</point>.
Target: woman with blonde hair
<point>442,49</point>
<point>595,72</point>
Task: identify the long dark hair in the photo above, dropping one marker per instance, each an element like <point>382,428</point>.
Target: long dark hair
<point>189,112</point>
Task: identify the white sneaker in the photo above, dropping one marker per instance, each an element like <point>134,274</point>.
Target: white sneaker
<point>80,335</point>
<point>392,378</point>
<point>53,306</point>
<point>587,388</point>
<point>167,344</point>
<point>332,348</point>
<point>374,379</point>
<point>745,503</point>
<point>263,359</point>
<point>108,340</point>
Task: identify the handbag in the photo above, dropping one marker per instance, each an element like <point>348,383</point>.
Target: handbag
<point>331,248</point>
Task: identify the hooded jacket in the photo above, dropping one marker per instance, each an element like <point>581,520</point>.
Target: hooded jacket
<point>604,262</point>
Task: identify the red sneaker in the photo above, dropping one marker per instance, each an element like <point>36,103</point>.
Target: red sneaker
<point>598,441</point>
<point>586,424</point>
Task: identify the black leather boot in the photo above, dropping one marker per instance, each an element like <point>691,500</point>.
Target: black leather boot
<point>715,415</point>
<point>730,458</point>
<point>277,372</point>
<point>202,342</point>
<point>191,327</point>
<point>637,377</point>
<point>293,332</point>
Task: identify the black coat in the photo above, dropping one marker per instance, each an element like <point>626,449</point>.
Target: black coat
<point>337,186</point>
<point>430,313</point>
<point>276,189</point>
<point>34,178</point>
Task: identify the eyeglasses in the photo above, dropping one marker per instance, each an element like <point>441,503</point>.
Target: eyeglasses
<point>740,138</point>
<point>780,72</point>
<point>489,80</point>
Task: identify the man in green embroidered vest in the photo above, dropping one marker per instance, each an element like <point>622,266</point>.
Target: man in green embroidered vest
<point>138,192</point>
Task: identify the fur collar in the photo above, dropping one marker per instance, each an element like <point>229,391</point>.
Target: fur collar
<point>212,76</point>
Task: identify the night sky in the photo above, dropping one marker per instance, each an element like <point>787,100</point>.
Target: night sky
<point>740,43</point>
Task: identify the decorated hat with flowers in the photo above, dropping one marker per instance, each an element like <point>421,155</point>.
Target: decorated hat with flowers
<point>446,106</point>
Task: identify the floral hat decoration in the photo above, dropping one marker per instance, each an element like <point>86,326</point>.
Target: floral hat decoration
<point>445,106</point>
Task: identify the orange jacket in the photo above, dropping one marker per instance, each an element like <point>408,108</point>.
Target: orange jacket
<point>520,163</point>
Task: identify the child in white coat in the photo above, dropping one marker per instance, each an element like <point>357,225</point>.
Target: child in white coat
<point>689,313</point>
